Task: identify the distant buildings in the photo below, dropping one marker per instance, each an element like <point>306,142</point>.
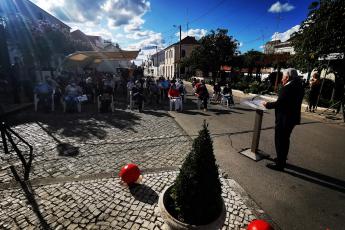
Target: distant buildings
<point>278,47</point>
<point>169,58</point>
<point>26,12</point>
<point>30,14</point>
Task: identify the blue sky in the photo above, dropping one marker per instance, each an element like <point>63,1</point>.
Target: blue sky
<point>136,24</point>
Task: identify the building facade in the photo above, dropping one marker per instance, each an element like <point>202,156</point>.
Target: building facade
<point>169,68</point>
<point>278,47</point>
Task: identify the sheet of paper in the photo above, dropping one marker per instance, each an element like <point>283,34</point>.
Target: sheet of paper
<point>256,104</point>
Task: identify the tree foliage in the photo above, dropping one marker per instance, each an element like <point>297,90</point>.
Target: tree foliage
<point>216,49</point>
<point>39,41</point>
<point>196,193</point>
<point>321,33</point>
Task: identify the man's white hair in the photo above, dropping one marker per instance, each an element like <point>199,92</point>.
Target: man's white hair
<point>291,72</point>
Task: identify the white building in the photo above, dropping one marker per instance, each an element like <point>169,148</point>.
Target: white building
<point>170,67</point>
<point>277,47</point>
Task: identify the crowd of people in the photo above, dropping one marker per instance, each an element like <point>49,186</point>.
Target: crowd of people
<point>103,88</point>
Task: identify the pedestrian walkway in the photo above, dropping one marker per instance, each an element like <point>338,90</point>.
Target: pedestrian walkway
<point>83,191</point>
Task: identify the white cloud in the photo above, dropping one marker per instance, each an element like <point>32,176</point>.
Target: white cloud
<point>240,44</point>
<point>134,24</point>
<point>150,39</point>
<point>262,47</point>
<point>117,12</point>
<point>124,12</point>
<point>198,33</point>
<point>285,35</point>
<point>278,7</point>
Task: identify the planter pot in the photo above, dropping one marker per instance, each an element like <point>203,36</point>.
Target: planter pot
<point>172,223</point>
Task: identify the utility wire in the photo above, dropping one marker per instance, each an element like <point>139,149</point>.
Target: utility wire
<point>207,12</point>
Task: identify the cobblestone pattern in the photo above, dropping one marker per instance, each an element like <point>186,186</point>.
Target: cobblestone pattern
<point>105,204</point>
<point>106,143</point>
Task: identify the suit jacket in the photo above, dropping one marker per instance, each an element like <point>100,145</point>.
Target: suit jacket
<point>288,105</point>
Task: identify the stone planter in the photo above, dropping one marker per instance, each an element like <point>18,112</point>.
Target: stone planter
<point>172,223</point>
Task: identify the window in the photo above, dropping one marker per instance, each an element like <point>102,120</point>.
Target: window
<point>183,53</point>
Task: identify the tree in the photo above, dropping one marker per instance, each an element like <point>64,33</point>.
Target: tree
<point>38,41</point>
<point>196,194</point>
<point>320,34</point>
<point>253,59</point>
<point>216,49</point>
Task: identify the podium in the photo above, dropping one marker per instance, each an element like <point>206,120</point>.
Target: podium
<point>254,153</point>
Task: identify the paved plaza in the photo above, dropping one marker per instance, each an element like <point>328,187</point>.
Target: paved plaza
<point>83,191</point>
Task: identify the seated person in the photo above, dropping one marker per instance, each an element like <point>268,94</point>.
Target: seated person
<point>174,94</point>
<point>72,92</point>
<point>173,91</point>
<point>105,96</point>
<point>89,88</point>
<point>44,93</point>
<point>227,94</point>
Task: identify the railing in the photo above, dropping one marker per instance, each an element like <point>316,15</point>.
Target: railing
<point>7,137</point>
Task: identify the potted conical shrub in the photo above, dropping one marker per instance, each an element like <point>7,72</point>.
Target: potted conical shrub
<point>194,201</point>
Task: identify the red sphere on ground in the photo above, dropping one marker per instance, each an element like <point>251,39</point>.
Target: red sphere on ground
<point>259,225</point>
<point>130,173</point>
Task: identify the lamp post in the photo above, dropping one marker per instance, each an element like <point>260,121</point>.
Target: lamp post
<point>157,60</point>
<point>179,60</point>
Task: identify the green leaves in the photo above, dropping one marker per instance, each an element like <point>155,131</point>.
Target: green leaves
<point>216,48</point>
<point>197,188</point>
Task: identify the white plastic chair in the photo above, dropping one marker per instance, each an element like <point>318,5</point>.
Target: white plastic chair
<point>36,100</point>
<point>112,107</point>
<point>64,105</point>
<point>177,102</point>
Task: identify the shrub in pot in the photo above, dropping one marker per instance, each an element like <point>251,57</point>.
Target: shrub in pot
<point>195,197</point>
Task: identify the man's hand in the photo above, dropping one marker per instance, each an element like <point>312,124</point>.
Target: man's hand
<point>264,103</point>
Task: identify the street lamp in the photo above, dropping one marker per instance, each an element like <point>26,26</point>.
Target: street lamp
<point>179,60</point>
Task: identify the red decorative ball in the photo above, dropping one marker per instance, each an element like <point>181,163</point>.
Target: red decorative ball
<point>130,173</point>
<point>259,225</point>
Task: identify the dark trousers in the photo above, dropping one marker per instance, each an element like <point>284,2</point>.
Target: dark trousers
<point>282,142</point>
<point>204,101</point>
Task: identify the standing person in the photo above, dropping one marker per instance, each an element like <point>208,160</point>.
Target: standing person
<point>287,113</point>
<point>315,85</point>
<point>202,93</point>
<point>216,92</point>
<point>15,76</point>
<point>138,95</point>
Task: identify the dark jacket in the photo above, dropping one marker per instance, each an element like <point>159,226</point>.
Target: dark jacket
<point>288,105</point>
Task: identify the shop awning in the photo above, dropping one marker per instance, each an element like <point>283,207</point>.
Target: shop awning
<point>99,55</point>
<point>86,58</point>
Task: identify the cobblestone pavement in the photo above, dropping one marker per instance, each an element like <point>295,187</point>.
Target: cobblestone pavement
<point>105,143</point>
<point>105,204</point>
<point>80,191</point>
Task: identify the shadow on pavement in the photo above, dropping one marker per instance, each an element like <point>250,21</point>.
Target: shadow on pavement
<point>156,113</point>
<point>67,150</point>
<point>144,193</point>
<point>223,111</point>
<point>30,196</point>
<point>81,125</point>
<point>315,177</point>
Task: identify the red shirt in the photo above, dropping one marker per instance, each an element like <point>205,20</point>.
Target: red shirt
<point>173,92</point>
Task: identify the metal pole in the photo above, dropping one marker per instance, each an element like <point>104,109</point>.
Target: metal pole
<point>157,60</point>
<point>179,61</point>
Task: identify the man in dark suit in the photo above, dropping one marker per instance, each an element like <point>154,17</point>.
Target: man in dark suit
<point>288,114</point>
